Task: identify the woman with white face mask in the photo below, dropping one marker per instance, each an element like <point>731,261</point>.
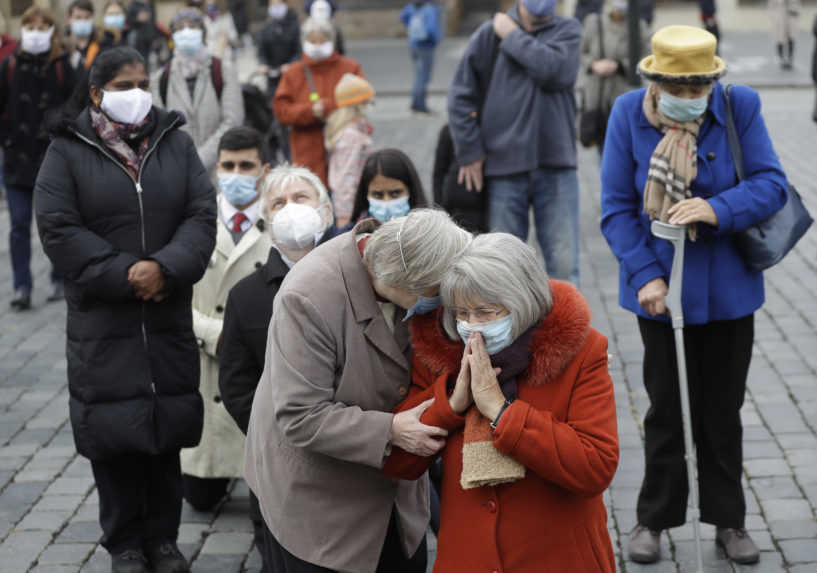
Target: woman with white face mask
<point>306,94</point>
<point>203,87</point>
<point>127,215</point>
<point>667,157</point>
<point>36,79</point>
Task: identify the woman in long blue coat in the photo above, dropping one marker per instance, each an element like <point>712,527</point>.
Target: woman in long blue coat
<point>667,156</point>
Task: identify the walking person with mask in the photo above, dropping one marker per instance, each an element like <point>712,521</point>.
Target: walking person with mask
<point>279,43</point>
<point>203,87</point>
<point>241,244</point>
<point>35,79</point>
<point>127,214</point>
<point>306,94</point>
<point>667,157</point>
<point>515,138</point>
<point>113,25</point>
<point>422,21</point>
<point>84,47</point>
<point>298,210</point>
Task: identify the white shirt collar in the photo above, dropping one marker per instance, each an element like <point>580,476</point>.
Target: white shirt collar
<point>227,211</point>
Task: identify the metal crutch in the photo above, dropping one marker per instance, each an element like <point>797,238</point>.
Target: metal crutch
<point>676,235</point>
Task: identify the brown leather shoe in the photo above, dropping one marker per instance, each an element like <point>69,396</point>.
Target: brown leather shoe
<point>738,546</point>
<point>644,545</point>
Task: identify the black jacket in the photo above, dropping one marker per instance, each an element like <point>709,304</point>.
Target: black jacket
<point>133,366</point>
<point>279,41</point>
<point>244,334</point>
<point>27,92</point>
<point>468,209</point>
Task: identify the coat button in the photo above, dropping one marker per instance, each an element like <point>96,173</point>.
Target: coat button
<point>710,156</point>
<point>219,308</point>
<point>259,264</point>
<point>217,399</point>
<point>491,505</point>
<point>402,391</point>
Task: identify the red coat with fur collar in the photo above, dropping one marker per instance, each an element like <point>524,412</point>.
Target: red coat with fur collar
<point>562,428</point>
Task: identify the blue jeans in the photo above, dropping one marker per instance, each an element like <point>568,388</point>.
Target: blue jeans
<point>423,60</point>
<point>554,195</point>
<point>20,212</point>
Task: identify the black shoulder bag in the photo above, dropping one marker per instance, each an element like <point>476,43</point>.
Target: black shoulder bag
<point>765,244</point>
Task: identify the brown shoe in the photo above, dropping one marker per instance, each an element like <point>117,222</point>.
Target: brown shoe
<point>738,546</point>
<point>644,545</point>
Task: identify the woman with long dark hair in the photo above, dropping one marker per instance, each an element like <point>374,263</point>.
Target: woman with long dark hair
<point>127,215</point>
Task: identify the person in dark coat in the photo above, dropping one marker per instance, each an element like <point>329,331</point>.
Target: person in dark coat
<point>127,214</point>
<point>34,79</point>
<point>467,208</point>
<point>279,43</point>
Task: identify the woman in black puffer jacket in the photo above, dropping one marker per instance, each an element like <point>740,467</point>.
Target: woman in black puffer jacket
<point>127,215</point>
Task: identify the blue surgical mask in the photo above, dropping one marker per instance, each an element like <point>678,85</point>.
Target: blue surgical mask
<point>82,28</point>
<point>682,109</point>
<point>114,21</point>
<point>384,210</point>
<point>188,41</point>
<point>496,334</point>
<point>424,305</point>
<point>238,189</point>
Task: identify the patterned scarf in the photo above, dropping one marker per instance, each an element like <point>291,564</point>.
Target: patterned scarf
<point>115,136</point>
<point>673,165</point>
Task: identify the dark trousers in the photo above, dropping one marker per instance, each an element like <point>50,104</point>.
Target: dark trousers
<point>718,356</point>
<point>20,202</point>
<point>140,500</point>
<point>423,61</point>
<point>204,493</point>
<point>392,558</point>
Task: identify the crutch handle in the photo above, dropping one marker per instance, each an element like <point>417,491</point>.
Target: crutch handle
<point>675,234</point>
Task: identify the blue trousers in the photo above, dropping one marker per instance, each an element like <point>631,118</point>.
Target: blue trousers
<point>554,195</point>
<point>423,60</point>
<point>20,203</point>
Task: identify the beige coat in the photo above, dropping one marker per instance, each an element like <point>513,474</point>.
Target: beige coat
<point>220,452</point>
<point>207,118</point>
<point>784,16</point>
<point>321,416</point>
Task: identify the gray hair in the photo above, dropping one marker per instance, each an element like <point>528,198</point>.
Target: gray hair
<point>284,175</point>
<point>311,25</point>
<point>498,268</point>
<point>413,252</point>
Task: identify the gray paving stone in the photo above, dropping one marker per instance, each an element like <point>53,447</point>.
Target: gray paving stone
<point>43,520</point>
<point>779,509</point>
<point>804,568</point>
<point>66,553</point>
<point>20,550</point>
<point>799,550</point>
<point>766,467</point>
<point>232,543</point>
<point>81,532</point>
<point>70,485</point>
<point>218,564</point>
<point>777,487</point>
<point>794,529</point>
<point>55,569</point>
<point>58,502</point>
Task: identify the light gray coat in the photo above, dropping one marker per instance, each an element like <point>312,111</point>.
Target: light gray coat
<point>207,118</point>
<point>321,416</point>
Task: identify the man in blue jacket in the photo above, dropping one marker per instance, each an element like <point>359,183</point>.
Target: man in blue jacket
<point>422,21</point>
<point>512,115</point>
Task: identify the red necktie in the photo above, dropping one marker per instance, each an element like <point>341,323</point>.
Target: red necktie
<point>238,219</point>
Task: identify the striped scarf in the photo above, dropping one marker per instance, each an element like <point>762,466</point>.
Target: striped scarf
<point>673,165</point>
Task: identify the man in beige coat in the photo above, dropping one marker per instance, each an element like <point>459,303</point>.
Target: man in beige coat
<point>321,425</point>
<point>241,245</point>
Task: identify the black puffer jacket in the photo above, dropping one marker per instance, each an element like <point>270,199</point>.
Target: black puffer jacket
<point>279,41</point>
<point>133,366</point>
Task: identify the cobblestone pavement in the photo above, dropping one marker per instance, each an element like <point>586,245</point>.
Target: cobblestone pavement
<point>49,508</point>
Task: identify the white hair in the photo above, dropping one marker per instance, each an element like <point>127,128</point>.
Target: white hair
<point>324,27</point>
<point>283,176</point>
<point>414,251</point>
<point>498,268</point>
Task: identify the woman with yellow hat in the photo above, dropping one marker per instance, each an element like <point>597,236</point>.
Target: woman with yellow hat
<point>667,157</point>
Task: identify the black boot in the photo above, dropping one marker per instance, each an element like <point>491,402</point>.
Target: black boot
<point>21,300</point>
<point>781,57</point>
<point>130,561</point>
<point>790,55</point>
<point>165,557</point>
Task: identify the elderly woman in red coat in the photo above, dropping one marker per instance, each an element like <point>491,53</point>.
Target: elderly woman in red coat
<point>511,368</point>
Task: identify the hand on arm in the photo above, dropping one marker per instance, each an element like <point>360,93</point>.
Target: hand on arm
<point>414,437</point>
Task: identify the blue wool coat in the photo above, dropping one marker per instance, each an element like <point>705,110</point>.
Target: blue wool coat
<point>717,284</point>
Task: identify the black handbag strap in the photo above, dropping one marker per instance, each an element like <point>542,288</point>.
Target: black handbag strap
<point>732,135</point>
<point>311,82</point>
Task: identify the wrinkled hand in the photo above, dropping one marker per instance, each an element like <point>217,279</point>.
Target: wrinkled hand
<point>503,25</point>
<point>410,434</point>
<point>461,398</point>
<point>147,281</point>
<point>488,396</point>
<point>651,297</point>
<point>471,175</point>
<point>318,109</point>
<point>604,68</point>
<point>693,210</point>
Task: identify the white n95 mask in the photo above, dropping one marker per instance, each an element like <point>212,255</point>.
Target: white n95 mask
<point>297,226</point>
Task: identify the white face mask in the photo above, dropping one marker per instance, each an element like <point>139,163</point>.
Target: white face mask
<point>319,51</point>
<point>320,10</point>
<point>277,11</point>
<point>35,41</point>
<point>188,41</point>
<point>297,226</point>
<point>129,106</point>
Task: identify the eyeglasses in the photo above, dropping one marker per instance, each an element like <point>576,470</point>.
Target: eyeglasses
<point>484,314</point>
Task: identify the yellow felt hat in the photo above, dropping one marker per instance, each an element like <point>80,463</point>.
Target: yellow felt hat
<point>352,90</point>
<point>682,54</point>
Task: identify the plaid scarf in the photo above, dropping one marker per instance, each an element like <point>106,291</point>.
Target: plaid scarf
<point>115,135</point>
<point>673,165</point>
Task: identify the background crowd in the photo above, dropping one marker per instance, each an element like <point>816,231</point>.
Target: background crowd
<point>411,338</point>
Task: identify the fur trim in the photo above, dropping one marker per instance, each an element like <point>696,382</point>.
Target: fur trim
<point>554,343</point>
